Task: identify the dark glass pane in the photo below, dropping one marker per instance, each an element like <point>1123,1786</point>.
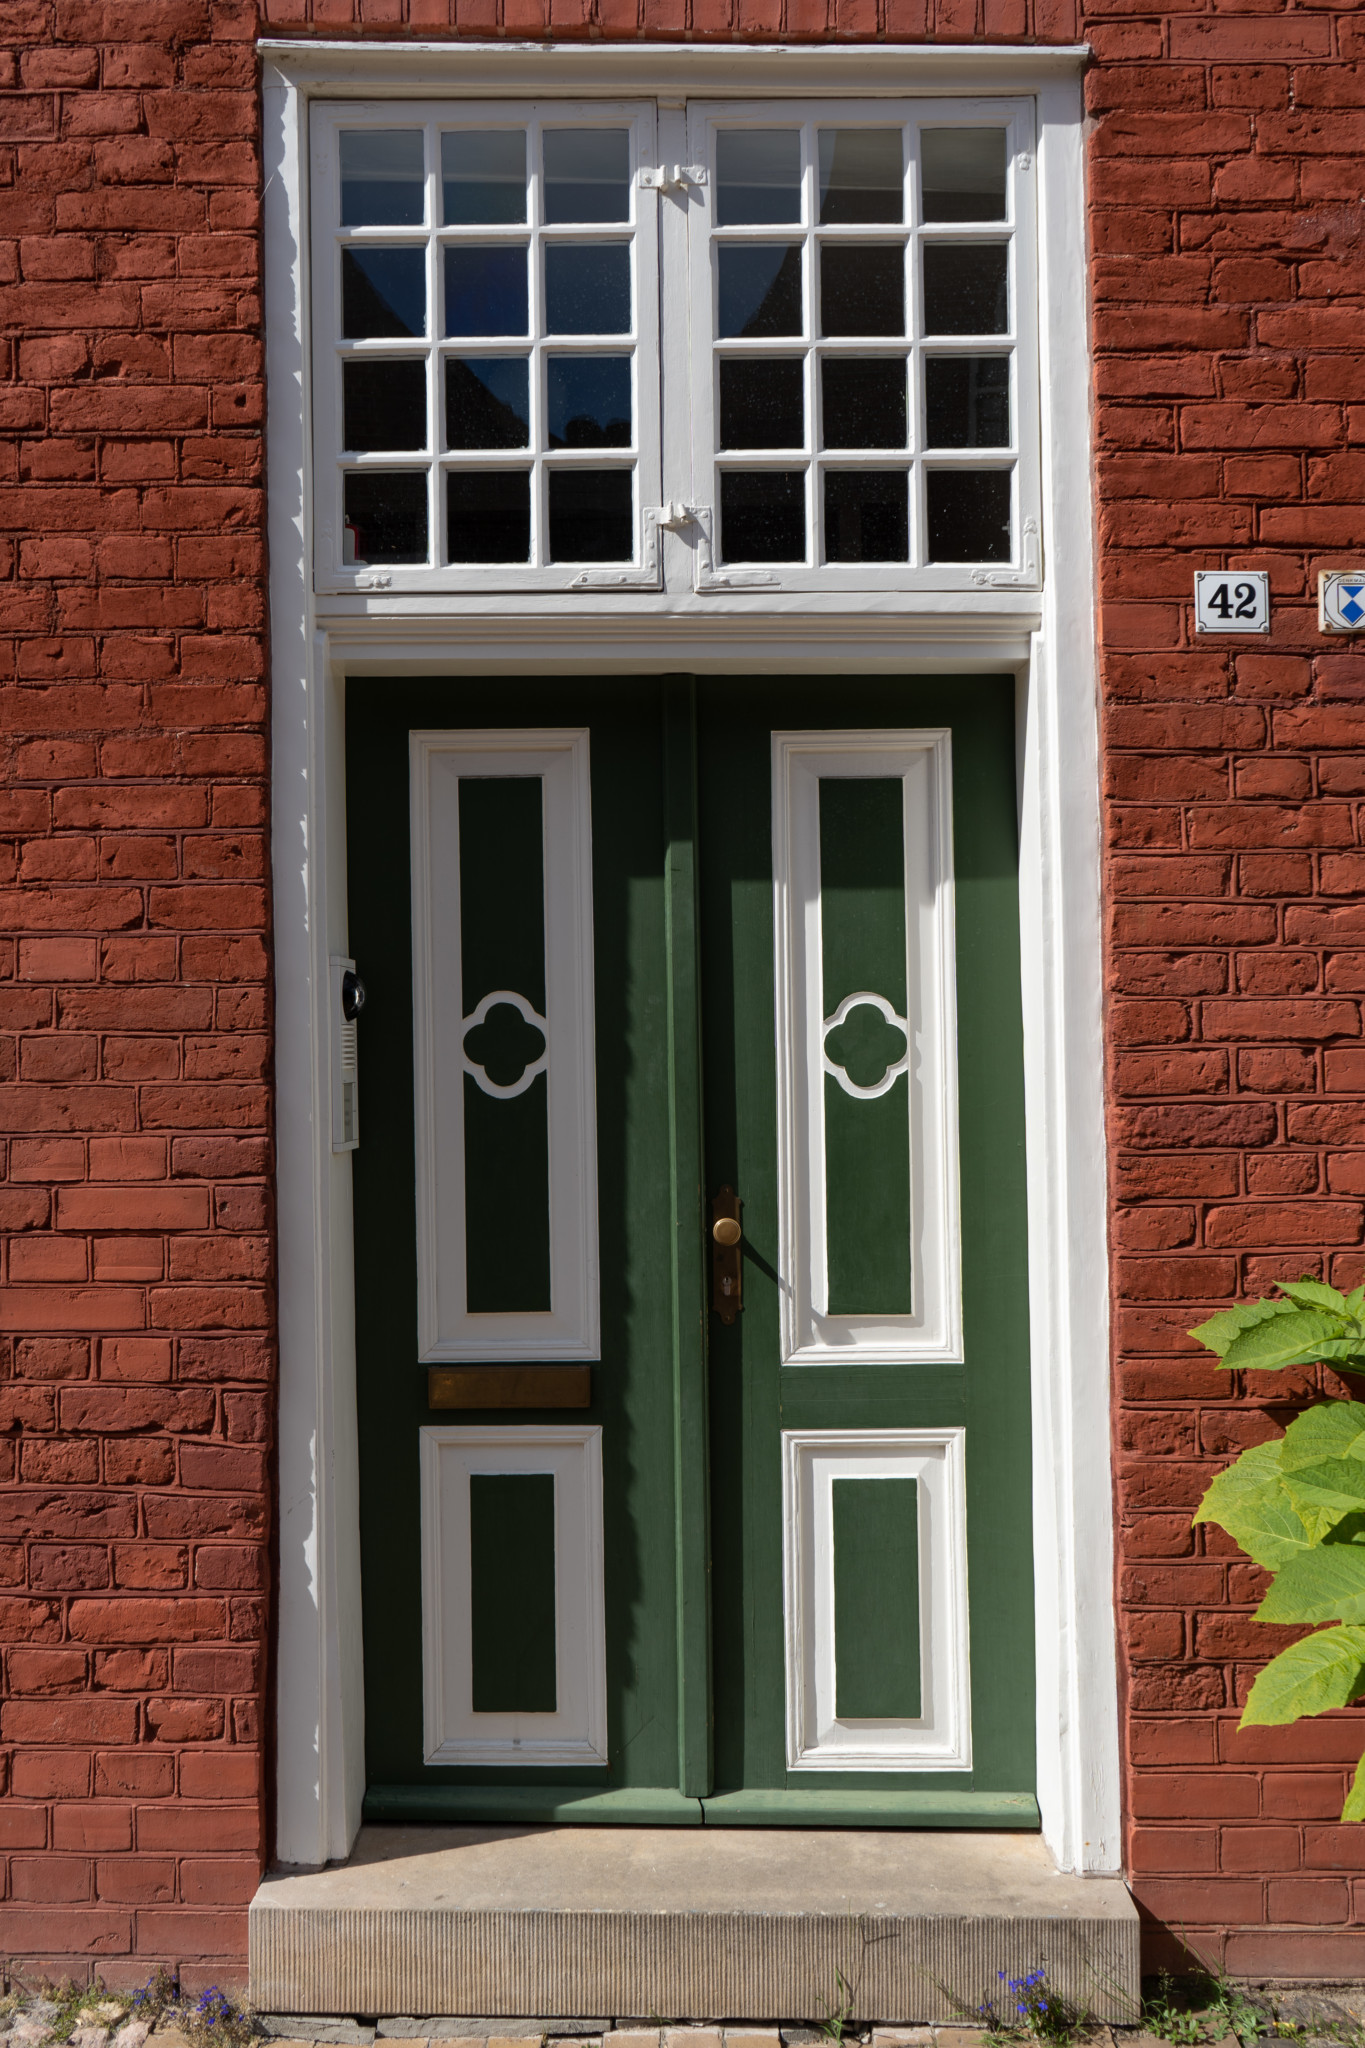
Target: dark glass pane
<point>969,515</point>
<point>587,288</point>
<point>758,176</point>
<point>867,515</point>
<point>587,174</point>
<point>862,175</point>
<point>592,517</point>
<point>483,176</point>
<point>383,293</point>
<point>382,183</point>
<point>588,401</point>
<point>385,405</point>
<point>864,401</point>
<point>962,173</point>
<point>488,515</point>
<point>967,401</point>
<point>966,288</point>
<point>386,515</point>
<point>488,402</point>
<point>486,290</point>
<point>862,288</point>
<point>762,402</point>
<point>759,290</point>
<point>763,515</point>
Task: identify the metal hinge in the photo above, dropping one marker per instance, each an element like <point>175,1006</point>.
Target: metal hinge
<point>709,577</point>
<point>670,518</point>
<point>1006,579</point>
<point>671,177</point>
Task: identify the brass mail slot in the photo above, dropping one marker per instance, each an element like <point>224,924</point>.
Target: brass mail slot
<point>509,1386</point>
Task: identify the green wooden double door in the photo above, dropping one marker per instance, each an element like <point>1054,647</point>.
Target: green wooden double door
<point>658,1525</point>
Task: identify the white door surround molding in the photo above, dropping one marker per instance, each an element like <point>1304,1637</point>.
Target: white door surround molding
<point>1046,640</point>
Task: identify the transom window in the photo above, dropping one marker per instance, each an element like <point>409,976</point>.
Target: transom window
<point>820,375</point>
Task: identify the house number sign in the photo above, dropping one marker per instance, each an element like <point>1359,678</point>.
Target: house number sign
<point>1232,600</point>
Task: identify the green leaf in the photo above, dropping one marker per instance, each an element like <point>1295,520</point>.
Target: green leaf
<point>1293,1339</point>
<point>1355,1301</point>
<point>1323,1671</point>
<point>1326,1583</point>
<point>1336,1485</point>
<point>1219,1331</point>
<point>1329,1429</point>
<point>1346,1351</point>
<point>1251,1502</point>
<point>1354,1809</point>
<point>1313,1294</point>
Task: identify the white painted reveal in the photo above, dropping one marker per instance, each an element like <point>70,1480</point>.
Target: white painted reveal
<point>933,1331</point>
<point>576,1733</point>
<point>941,1740</point>
<point>446,1329</point>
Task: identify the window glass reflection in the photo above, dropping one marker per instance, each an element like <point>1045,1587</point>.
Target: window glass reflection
<point>483,176</point>
<point>384,406</point>
<point>592,515</point>
<point>488,402</point>
<point>488,515</point>
<point>759,290</point>
<point>587,288</point>
<point>763,515</point>
<point>588,401</point>
<point>862,175</point>
<point>966,288</point>
<point>863,401</point>
<point>862,288</point>
<point>867,516</point>
<point>382,178</point>
<point>386,515</point>
<point>758,176</point>
<point>968,515</point>
<point>486,290</point>
<point>962,173</point>
<point>587,174</point>
<point>967,401</point>
<point>762,402</point>
<point>383,294</point>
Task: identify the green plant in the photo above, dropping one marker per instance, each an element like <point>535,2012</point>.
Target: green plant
<point>835,2016</point>
<point>1297,1505</point>
<point>1191,2011</point>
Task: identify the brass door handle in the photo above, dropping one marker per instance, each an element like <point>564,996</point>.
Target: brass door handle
<point>727,1264</point>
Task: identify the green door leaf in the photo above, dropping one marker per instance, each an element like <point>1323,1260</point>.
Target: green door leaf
<point>1326,1583</point>
<point>1323,1671</point>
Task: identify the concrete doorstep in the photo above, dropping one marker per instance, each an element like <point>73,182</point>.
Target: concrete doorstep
<point>482,1924</point>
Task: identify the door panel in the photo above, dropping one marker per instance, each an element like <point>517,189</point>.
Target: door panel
<point>803,1588</point>
<point>763,1409</point>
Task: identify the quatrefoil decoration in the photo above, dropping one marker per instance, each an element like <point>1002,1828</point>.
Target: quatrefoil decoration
<point>504,1044</point>
<point>865,1045</point>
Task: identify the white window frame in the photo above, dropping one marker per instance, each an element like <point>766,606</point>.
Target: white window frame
<point>1019,342</point>
<point>434,117</point>
<point>1045,638</point>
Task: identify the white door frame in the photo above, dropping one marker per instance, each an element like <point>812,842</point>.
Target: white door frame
<point>1047,640</point>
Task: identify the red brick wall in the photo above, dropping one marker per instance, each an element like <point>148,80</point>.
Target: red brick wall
<point>136,1307</point>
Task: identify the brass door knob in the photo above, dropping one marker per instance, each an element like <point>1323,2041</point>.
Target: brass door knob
<point>727,1230</point>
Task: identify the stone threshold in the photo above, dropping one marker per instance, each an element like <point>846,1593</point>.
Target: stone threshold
<point>755,1924</point>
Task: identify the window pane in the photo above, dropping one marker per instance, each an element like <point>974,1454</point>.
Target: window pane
<point>483,176</point>
<point>864,401</point>
<point>967,401</point>
<point>762,402</point>
<point>382,181</point>
<point>488,402</point>
<point>588,401</point>
<point>758,176</point>
<point>862,175</point>
<point>486,290</point>
<point>759,290</point>
<point>862,288</point>
<point>488,515</point>
<point>385,405</point>
<point>591,515</point>
<point>867,515</point>
<point>969,515</point>
<point>386,515</point>
<point>587,174</point>
<point>587,288</point>
<point>963,173</point>
<point>383,293</point>
<point>966,289</point>
<point>763,515</point>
